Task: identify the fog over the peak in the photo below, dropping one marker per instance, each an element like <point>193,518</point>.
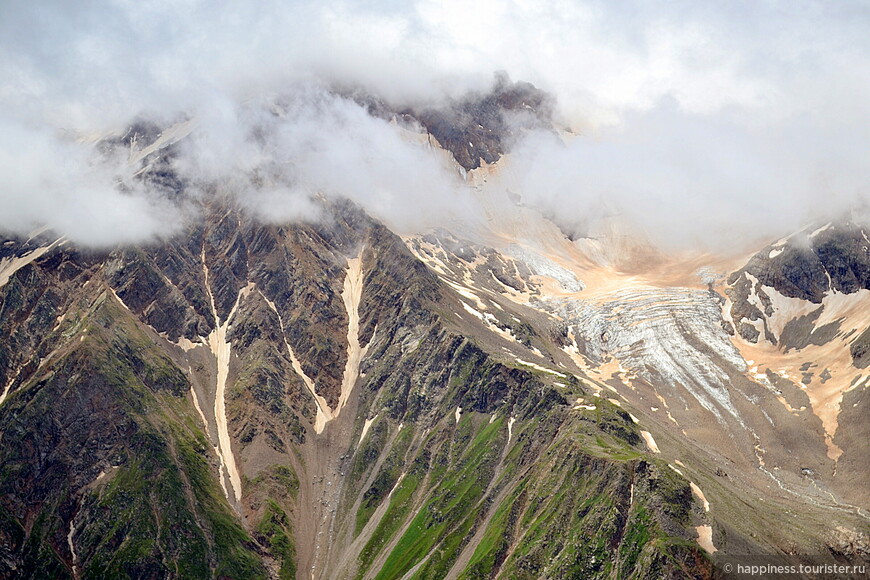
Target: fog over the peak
<point>710,183</point>
<point>703,122</point>
<point>276,154</point>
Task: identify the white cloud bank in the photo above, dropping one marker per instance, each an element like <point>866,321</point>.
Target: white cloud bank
<point>703,121</point>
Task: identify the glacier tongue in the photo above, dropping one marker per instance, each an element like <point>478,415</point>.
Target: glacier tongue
<point>544,266</point>
<point>662,331</point>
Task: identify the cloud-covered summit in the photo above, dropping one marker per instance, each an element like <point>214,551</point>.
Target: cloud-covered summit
<point>701,121</point>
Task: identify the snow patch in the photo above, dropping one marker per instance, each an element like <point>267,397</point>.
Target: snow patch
<point>352,295</point>
<point>820,230</point>
<point>398,483</point>
<point>10,265</point>
<point>465,293</point>
<point>9,386</point>
<point>650,442</point>
<point>199,410</point>
<point>171,135</point>
<point>185,344</point>
<point>539,367</point>
<point>491,323</point>
<point>705,538</point>
<point>696,491</point>
<point>458,414</point>
<point>511,422</point>
<point>366,426</point>
<point>72,549</point>
<point>222,349</point>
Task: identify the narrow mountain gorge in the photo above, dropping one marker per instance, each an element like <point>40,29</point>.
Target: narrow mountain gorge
<point>327,399</point>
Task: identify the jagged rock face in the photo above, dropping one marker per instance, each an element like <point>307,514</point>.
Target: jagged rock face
<point>832,258</point>
<point>250,400</point>
<point>800,306</point>
<point>478,128</point>
<point>482,129</point>
<point>103,411</point>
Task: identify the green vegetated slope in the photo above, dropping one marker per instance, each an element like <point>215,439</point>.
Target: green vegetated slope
<point>569,496</point>
<point>102,450</point>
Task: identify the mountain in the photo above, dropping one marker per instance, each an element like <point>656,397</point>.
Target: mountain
<point>328,399</point>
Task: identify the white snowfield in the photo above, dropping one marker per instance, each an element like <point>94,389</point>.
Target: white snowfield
<point>696,491</point>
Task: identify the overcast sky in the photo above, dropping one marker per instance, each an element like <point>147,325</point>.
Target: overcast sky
<point>699,120</point>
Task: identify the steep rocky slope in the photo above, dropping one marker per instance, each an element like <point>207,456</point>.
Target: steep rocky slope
<point>800,308</point>
<point>310,400</point>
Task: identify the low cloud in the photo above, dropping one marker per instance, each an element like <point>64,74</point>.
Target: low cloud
<point>689,182</point>
<point>699,122</point>
<point>60,183</point>
<point>284,151</point>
